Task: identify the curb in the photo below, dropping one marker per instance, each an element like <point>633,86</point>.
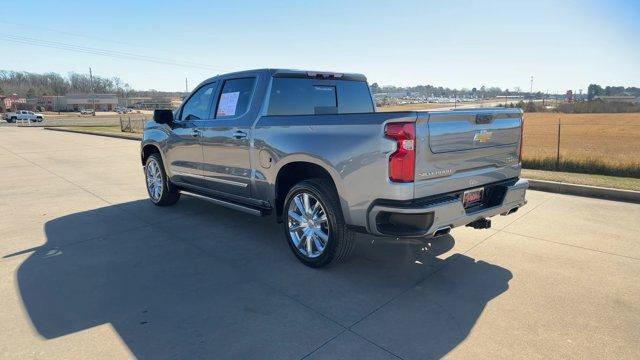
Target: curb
<point>585,190</point>
<point>88,132</point>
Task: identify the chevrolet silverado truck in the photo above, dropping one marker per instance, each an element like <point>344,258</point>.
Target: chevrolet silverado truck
<point>310,148</point>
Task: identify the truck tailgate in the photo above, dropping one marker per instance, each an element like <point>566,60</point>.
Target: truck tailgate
<point>461,149</point>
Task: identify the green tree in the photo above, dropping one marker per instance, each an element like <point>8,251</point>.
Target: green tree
<point>31,93</point>
<point>375,88</point>
<point>614,90</point>
<point>594,90</point>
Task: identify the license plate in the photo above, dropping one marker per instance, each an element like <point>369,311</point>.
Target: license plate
<point>472,197</point>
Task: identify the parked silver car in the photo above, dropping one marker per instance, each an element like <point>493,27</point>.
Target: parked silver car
<point>310,148</point>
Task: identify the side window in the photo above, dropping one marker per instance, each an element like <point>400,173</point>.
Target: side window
<point>235,97</point>
<point>197,107</point>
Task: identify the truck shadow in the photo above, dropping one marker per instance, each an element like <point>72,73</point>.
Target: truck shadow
<point>198,281</point>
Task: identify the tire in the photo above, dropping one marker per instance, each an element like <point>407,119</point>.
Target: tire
<point>303,228</point>
<point>161,191</point>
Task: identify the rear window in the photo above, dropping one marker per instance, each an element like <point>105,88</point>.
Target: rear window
<point>295,96</point>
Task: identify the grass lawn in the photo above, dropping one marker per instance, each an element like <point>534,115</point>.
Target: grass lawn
<point>615,182</point>
<point>115,129</point>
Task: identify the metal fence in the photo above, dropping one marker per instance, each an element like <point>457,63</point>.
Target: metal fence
<point>25,122</point>
<point>598,143</point>
<point>132,125</point>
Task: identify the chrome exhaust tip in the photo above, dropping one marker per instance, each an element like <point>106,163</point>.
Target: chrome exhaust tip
<point>442,231</point>
<point>511,211</point>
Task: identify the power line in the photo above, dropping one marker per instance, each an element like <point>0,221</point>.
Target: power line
<point>68,33</point>
<point>97,51</point>
<point>103,52</point>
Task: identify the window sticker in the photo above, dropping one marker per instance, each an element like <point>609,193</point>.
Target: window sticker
<point>228,103</point>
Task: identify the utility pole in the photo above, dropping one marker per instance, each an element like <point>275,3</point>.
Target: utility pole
<point>93,97</point>
<point>531,89</point>
<point>186,86</point>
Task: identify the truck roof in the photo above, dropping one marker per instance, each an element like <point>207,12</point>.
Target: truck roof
<point>296,73</point>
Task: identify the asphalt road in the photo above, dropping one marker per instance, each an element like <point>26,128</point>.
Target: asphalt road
<point>90,269</point>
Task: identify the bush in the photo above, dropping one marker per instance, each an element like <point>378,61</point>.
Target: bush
<point>530,106</point>
<point>598,106</point>
<point>581,107</point>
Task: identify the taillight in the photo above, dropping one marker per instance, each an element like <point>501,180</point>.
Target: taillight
<point>402,162</point>
<point>521,140</point>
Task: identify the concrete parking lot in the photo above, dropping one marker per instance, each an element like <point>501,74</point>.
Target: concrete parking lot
<point>90,269</point>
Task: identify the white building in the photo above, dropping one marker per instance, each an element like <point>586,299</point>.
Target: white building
<point>103,102</point>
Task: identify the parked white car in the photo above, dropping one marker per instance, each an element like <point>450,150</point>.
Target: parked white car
<point>87,112</point>
<point>12,117</point>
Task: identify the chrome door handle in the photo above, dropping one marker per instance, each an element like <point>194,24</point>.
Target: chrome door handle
<point>195,132</point>
<point>239,134</point>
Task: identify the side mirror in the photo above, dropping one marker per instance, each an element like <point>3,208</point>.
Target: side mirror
<point>163,116</point>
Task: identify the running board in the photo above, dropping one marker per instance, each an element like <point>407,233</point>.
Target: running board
<point>232,205</point>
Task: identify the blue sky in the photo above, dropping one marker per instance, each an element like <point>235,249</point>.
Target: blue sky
<point>563,44</point>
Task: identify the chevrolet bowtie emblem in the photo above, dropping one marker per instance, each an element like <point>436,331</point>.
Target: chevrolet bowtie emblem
<point>482,136</point>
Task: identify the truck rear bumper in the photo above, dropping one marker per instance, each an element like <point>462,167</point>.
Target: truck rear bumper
<point>424,218</point>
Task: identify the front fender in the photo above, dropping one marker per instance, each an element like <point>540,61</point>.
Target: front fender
<point>155,137</point>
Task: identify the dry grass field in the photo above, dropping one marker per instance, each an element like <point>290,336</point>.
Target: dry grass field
<point>586,140</point>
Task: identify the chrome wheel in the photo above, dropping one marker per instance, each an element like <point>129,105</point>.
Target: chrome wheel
<point>154,180</point>
<point>307,224</point>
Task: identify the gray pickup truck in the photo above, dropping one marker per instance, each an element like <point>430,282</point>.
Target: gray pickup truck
<point>310,148</point>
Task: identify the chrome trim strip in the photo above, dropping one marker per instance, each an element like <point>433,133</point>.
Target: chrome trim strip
<point>209,178</point>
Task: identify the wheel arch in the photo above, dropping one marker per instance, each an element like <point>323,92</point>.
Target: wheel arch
<point>147,150</point>
<point>299,169</point>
